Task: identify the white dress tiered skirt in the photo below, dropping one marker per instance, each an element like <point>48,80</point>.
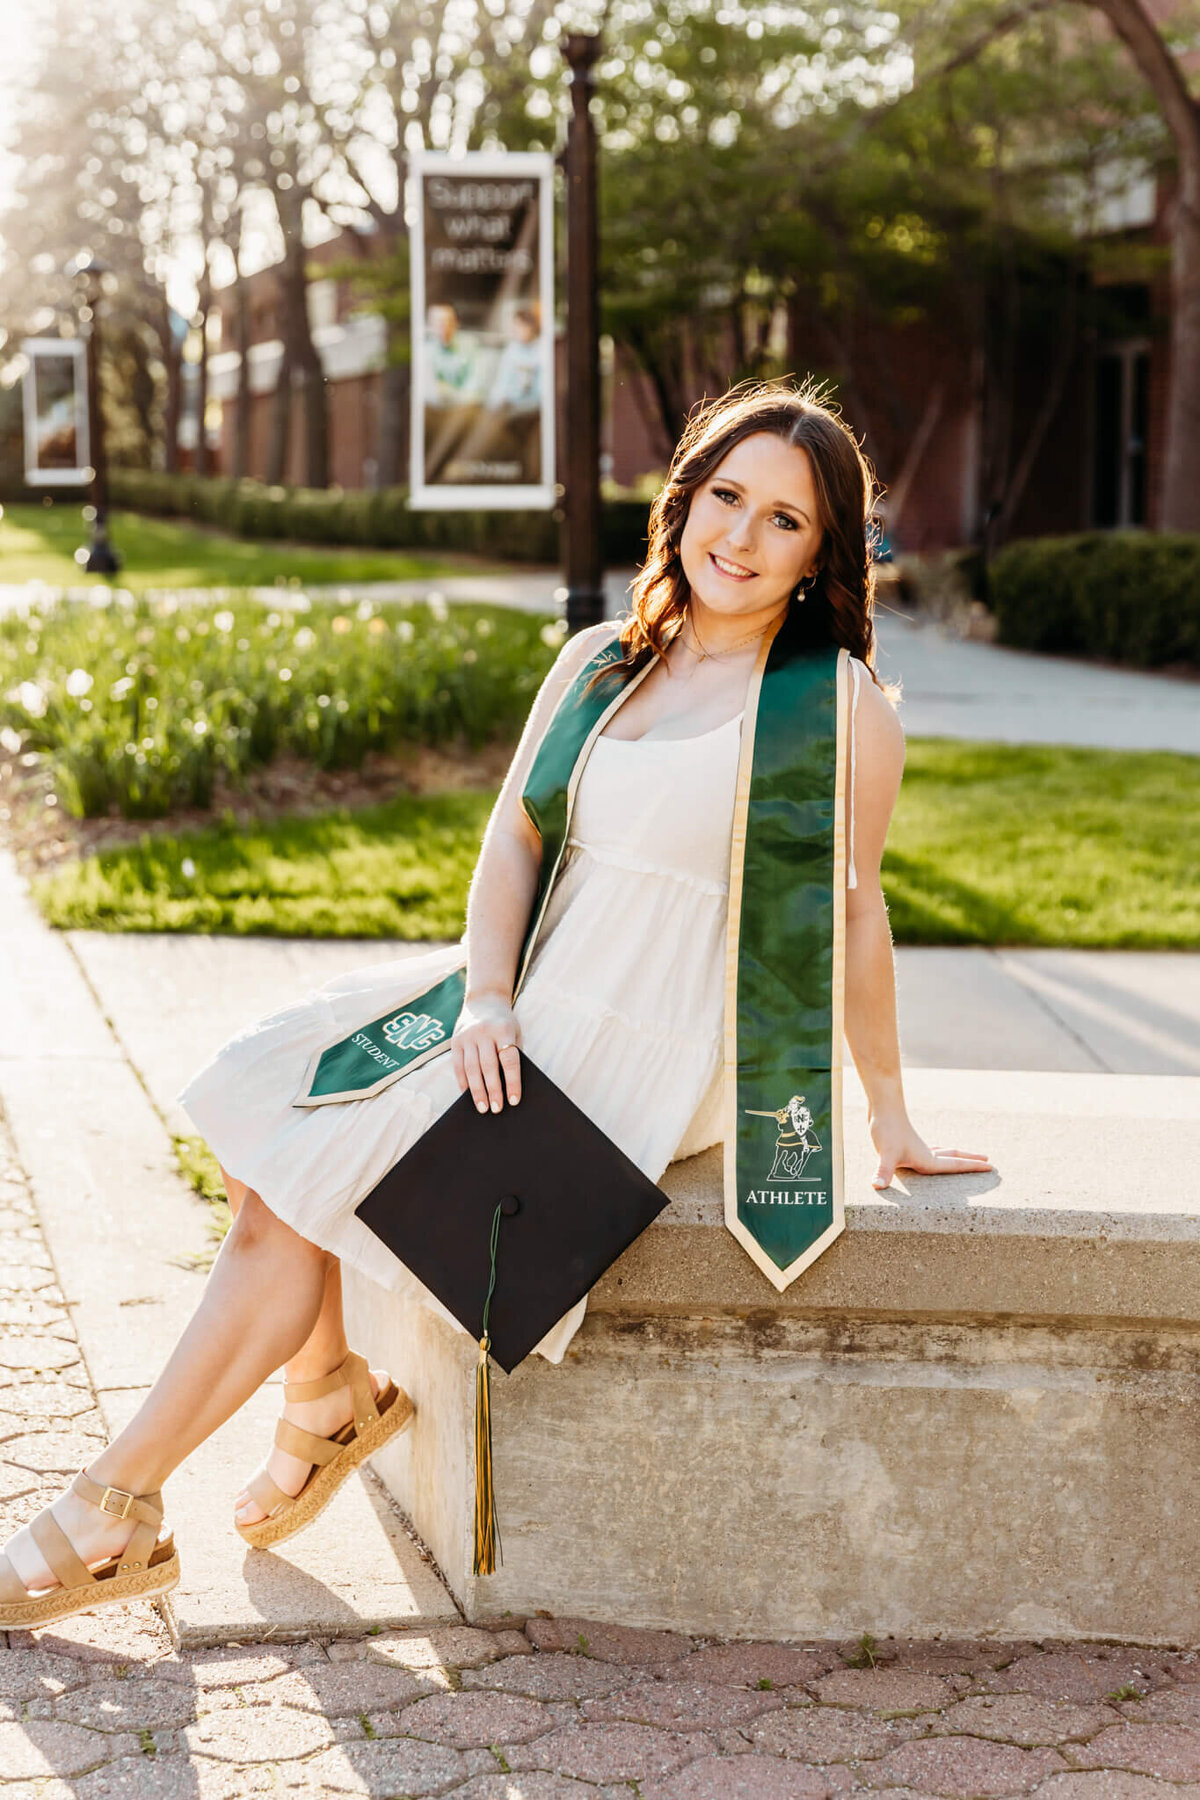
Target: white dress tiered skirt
<point>623,1007</point>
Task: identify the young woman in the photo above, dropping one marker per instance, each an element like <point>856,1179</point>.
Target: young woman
<point>762,521</point>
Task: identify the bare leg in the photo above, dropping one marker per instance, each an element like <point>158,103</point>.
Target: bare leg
<point>323,1350</point>
<point>260,1304</point>
<point>326,1346</point>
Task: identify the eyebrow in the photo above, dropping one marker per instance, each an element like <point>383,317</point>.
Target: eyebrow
<point>785,505</point>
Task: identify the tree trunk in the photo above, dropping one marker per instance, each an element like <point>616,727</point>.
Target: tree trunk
<point>279,438</point>
<point>142,392</point>
<point>203,462</point>
<point>1134,24</point>
<point>239,437</point>
<point>393,448</point>
<point>240,463</point>
<point>173,401</point>
<point>660,354</point>
<point>1180,510</point>
<point>301,359</point>
<point>391,451</point>
<point>308,376</point>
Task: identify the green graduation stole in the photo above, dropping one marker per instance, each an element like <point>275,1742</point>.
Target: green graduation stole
<point>785,955</point>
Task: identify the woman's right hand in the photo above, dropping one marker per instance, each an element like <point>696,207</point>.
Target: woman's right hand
<point>486,1051</point>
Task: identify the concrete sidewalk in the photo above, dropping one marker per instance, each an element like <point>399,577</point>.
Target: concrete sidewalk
<point>128,1241</point>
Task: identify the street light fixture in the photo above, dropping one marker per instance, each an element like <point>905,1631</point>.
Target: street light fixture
<point>91,274</point>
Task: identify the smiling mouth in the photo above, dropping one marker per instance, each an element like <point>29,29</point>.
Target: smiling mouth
<point>735,570</point>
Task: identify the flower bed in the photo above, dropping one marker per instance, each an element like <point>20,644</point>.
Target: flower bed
<point>135,705</point>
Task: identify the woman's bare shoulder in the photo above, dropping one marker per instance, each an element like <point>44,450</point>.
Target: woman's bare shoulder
<point>576,651</point>
<point>877,726</point>
<point>571,658</point>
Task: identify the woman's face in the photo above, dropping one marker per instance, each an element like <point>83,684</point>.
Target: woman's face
<point>752,530</point>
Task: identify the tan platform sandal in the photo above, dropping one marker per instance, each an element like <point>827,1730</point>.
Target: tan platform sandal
<point>334,1458</point>
<point>146,1569</point>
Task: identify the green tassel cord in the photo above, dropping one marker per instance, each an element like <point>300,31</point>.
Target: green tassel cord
<point>487,1528</point>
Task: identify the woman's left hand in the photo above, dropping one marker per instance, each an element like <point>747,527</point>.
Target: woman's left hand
<point>900,1147</point>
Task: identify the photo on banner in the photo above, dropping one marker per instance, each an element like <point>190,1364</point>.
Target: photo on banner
<point>482,239</point>
<point>54,396</point>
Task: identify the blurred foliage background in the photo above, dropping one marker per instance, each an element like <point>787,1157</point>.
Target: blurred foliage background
<point>778,184</point>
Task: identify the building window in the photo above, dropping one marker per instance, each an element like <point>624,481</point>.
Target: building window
<point>1122,405</point>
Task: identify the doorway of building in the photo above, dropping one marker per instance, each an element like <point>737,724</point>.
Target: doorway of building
<point>1122,404</point>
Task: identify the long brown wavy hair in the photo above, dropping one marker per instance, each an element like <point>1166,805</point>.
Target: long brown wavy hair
<point>837,607</point>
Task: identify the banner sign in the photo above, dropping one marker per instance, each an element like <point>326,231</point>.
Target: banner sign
<point>55,412</point>
<point>482,284</point>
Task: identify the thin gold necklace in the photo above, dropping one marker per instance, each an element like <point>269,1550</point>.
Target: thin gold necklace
<point>716,655</point>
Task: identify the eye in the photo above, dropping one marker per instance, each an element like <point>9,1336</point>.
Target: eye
<point>729,497</point>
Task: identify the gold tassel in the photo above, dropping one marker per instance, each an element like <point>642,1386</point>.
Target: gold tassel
<point>487,1527</point>
<point>485,1498</point>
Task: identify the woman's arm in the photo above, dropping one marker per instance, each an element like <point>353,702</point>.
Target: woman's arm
<point>871,1029</point>
<point>499,903</point>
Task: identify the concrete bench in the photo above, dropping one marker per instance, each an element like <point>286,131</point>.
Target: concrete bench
<point>978,1414</point>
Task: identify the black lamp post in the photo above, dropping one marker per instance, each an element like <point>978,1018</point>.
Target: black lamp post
<point>89,272</point>
<point>584,571</point>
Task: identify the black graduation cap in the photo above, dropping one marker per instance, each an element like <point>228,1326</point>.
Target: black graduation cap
<point>510,1218</point>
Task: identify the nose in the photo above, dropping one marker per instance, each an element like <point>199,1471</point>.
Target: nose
<point>741,531</point>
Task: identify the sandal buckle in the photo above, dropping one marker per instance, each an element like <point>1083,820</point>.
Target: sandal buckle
<point>120,1511</point>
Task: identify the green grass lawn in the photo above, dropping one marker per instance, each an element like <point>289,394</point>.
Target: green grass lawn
<point>991,844</point>
<point>1033,844</point>
<point>38,543</point>
<point>399,870</point>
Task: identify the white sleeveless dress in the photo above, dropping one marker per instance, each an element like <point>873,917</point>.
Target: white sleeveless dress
<point>623,1007</point>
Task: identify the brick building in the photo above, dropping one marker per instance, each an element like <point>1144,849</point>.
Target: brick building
<point>1099,463</point>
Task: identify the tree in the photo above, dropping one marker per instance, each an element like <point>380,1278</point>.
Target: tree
<point>1149,43</point>
<point>964,204</point>
<point>265,53</point>
<point>84,183</point>
<point>388,76</point>
<point>879,200</point>
<point>1158,50</point>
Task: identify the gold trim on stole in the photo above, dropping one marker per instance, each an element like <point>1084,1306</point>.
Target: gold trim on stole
<point>572,788</point>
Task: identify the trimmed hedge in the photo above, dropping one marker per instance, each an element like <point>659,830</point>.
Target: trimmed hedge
<point>1127,596</point>
<point>378,518</point>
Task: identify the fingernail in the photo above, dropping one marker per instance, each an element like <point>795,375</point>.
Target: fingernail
<point>481,1106</point>
<point>496,1105</point>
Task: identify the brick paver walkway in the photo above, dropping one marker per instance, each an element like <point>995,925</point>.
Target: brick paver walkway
<point>102,1708</point>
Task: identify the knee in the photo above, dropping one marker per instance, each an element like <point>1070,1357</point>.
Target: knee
<point>256,1227</point>
<point>253,1223</point>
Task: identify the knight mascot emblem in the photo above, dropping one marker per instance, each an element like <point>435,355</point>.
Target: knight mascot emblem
<point>796,1141</point>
